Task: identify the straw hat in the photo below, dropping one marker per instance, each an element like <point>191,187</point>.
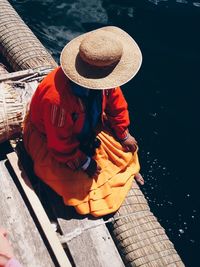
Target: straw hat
<point>101,59</point>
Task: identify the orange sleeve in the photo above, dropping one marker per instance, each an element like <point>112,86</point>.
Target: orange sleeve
<point>61,141</point>
<point>117,112</point>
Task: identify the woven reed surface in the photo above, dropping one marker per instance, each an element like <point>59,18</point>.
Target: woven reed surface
<point>13,102</point>
<point>18,44</point>
<point>140,238</point>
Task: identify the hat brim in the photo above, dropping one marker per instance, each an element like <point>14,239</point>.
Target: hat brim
<point>102,78</point>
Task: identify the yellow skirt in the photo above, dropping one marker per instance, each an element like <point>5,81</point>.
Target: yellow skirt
<point>99,196</point>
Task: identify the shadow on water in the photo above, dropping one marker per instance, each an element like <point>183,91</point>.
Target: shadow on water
<point>163,97</point>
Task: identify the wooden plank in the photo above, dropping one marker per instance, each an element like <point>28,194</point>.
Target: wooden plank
<point>94,246</point>
<point>28,246</point>
<point>89,243</point>
<point>39,212</point>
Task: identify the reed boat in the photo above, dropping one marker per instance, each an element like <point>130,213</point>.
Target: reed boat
<point>43,231</point>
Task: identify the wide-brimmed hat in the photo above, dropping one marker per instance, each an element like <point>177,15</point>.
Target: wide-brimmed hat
<point>101,59</point>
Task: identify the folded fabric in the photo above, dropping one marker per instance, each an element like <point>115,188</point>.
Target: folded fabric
<point>99,196</point>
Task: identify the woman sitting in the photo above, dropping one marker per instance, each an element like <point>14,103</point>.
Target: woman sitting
<point>77,128</point>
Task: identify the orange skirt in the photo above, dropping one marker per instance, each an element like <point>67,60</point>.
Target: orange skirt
<point>99,196</point>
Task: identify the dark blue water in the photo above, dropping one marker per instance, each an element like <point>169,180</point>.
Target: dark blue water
<point>163,98</point>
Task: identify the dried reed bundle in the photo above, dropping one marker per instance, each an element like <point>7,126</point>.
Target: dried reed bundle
<point>140,238</point>
<point>18,44</point>
<point>13,102</point>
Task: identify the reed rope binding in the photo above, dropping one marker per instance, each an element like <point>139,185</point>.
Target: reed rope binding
<point>18,44</point>
<point>25,75</point>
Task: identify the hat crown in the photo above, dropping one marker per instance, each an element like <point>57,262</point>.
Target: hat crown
<point>100,49</point>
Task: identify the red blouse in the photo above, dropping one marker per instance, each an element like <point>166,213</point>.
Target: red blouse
<point>51,112</point>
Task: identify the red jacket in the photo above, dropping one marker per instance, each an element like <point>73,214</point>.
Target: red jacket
<point>51,113</point>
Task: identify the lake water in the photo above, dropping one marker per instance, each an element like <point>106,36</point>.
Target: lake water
<point>163,98</point>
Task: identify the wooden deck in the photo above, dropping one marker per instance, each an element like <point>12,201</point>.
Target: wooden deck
<point>15,217</point>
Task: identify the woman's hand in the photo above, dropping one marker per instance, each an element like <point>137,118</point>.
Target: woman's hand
<point>6,251</point>
<point>93,170</point>
<point>130,144</point>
